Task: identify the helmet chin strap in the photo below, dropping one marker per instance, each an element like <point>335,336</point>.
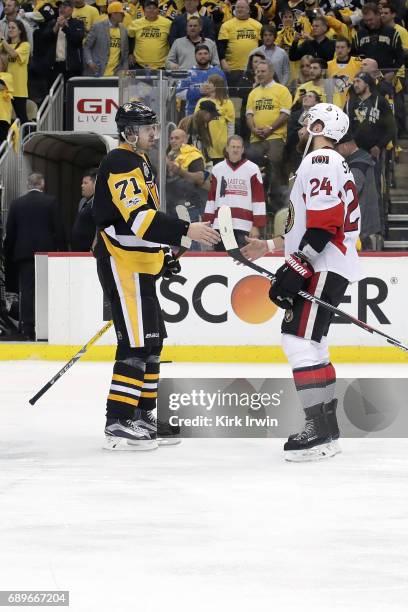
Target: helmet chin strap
<point>131,144</point>
<point>309,142</point>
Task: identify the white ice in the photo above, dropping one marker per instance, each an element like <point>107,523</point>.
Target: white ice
<point>211,525</point>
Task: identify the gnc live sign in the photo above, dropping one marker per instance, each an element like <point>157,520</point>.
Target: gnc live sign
<point>93,107</point>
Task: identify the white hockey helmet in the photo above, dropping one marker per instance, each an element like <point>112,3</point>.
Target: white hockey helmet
<point>335,121</point>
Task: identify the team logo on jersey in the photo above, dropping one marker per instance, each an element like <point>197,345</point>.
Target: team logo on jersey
<point>288,315</point>
<point>146,170</point>
<point>290,219</point>
<point>320,159</point>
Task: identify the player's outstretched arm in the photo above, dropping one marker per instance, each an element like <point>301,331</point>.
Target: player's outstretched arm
<point>257,248</point>
<point>203,233</point>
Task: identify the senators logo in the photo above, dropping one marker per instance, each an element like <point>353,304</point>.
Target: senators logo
<point>290,219</point>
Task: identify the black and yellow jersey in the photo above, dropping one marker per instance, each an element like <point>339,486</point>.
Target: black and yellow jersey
<point>125,209</point>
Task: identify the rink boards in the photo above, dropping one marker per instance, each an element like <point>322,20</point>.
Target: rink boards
<point>214,311</point>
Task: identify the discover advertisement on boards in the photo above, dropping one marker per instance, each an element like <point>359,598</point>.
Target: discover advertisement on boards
<point>215,302</point>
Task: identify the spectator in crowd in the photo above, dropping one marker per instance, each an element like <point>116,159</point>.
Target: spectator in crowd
<point>388,14</point>
<point>277,56</point>
<point>127,18</point>
<point>291,26</point>
<point>237,182</point>
<point>69,34</point>
<point>326,88</point>
<point>6,97</point>
<point>237,38</point>
<point>12,10</point>
<point>86,13</point>
<point>223,126</point>
<point>186,176</point>
<point>343,68</point>
<point>295,123</point>
<point>194,87</point>
<point>182,53</point>
<point>303,74</point>
<point>197,128</point>
<point>371,120</point>
<point>179,24</point>
<point>43,55</point>
<point>383,84</point>
<point>267,112</point>
<point>31,228</point>
<point>84,230</point>
<point>151,38</point>
<point>316,44</point>
<point>106,48</point>
<point>18,51</point>
<point>362,166</point>
<point>378,41</point>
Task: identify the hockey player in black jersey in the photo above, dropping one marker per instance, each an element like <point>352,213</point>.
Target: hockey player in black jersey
<point>132,253</point>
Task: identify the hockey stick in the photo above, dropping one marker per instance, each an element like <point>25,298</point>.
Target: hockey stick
<point>98,334</point>
<point>70,363</point>
<point>231,246</point>
<point>182,214</point>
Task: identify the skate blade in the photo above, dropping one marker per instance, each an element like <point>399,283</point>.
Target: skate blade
<point>334,444</point>
<point>317,453</point>
<point>168,441</point>
<point>115,443</point>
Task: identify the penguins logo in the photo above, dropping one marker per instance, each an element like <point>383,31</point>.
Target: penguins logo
<point>290,219</point>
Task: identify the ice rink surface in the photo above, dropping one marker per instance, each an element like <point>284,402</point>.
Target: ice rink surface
<point>210,525</point>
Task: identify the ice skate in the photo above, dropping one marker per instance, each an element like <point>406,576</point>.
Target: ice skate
<point>314,442</point>
<point>330,411</point>
<point>127,435</point>
<point>162,431</point>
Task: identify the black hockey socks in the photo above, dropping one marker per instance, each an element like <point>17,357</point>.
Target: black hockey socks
<point>148,396</point>
<point>125,391</point>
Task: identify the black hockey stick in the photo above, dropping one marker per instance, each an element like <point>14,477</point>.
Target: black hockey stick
<point>70,363</point>
<point>231,246</point>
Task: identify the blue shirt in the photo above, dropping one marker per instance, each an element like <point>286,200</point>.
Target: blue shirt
<point>193,83</point>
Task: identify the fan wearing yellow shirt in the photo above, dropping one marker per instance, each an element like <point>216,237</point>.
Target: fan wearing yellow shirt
<point>6,96</point>
<point>267,114</point>
<point>238,37</point>
<point>326,88</point>
<point>343,68</point>
<point>106,48</point>
<point>222,126</point>
<point>151,38</point>
<point>86,13</point>
<point>18,51</point>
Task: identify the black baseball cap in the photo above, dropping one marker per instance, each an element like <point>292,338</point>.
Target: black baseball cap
<point>367,78</point>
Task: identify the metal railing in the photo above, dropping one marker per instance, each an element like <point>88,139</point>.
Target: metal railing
<point>50,115</point>
<point>10,172</point>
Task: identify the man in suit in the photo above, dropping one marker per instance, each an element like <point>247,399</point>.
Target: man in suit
<point>179,26</point>
<point>32,226</point>
<point>84,230</point>
<point>106,48</point>
<point>69,34</point>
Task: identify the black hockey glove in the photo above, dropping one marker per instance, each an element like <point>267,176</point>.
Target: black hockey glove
<point>289,280</point>
<point>171,265</point>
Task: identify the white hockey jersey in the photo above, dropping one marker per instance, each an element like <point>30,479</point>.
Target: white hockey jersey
<point>324,196</point>
<point>240,187</point>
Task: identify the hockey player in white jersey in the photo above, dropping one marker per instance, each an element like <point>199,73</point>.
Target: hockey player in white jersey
<point>321,258</point>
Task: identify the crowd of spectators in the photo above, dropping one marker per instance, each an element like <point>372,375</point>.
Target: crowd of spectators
<point>254,68</point>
